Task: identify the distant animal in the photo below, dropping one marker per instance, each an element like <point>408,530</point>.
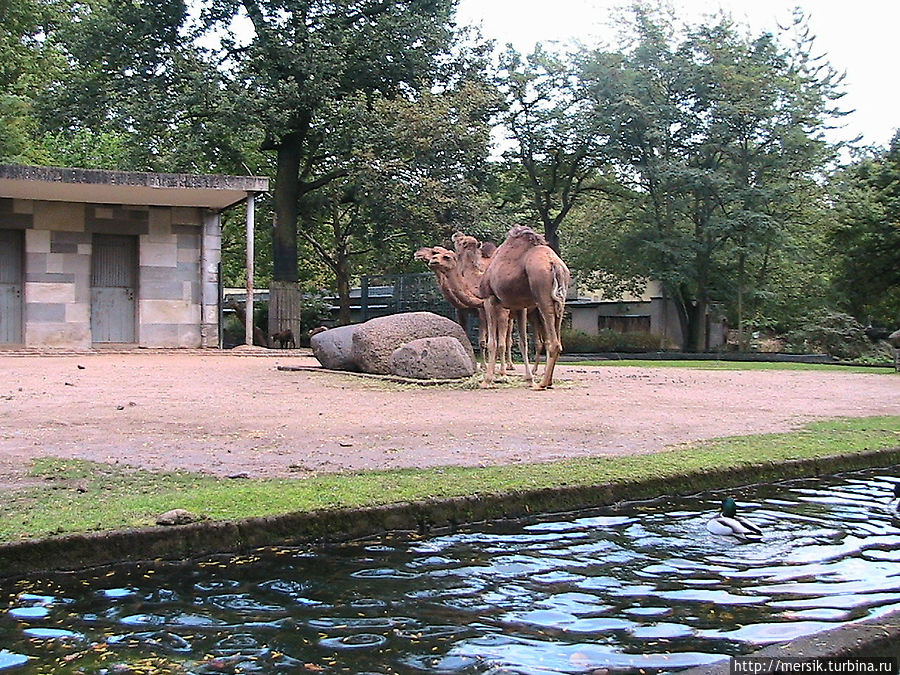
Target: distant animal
<point>727,523</point>
<point>317,330</point>
<point>896,496</point>
<point>285,339</point>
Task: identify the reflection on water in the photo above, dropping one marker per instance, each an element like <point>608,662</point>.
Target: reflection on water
<point>642,585</point>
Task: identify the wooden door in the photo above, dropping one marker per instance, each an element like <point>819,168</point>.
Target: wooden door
<point>11,249</point>
<point>113,288</point>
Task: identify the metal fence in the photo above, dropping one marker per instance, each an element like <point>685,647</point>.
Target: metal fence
<point>384,294</point>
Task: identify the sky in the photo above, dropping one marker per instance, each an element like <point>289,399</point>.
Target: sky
<point>859,37</point>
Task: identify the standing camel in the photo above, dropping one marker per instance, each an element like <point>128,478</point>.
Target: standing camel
<point>525,274</point>
<point>459,275</point>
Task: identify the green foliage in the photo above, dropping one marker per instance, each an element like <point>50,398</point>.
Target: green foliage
<point>865,239</point>
<point>829,332</point>
<point>28,63</point>
<point>716,137</point>
<point>576,342</point>
<point>316,311</point>
<point>557,158</point>
<point>691,154</point>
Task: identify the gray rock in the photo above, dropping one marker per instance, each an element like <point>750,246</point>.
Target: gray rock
<point>177,517</point>
<point>376,340</point>
<point>894,339</point>
<point>434,358</point>
<point>333,348</point>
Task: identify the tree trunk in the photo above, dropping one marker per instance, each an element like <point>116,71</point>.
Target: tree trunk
<point>284,294</point>
<point>285,303</point>
<point>342,277</point>
<point>287,192</point>
<point>551,234</point>
<point>743,343</point>
<point>697,312</point>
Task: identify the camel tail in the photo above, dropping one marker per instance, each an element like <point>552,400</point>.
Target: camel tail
<point>560,286</point>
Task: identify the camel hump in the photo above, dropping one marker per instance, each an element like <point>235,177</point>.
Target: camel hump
<point>526,234</point>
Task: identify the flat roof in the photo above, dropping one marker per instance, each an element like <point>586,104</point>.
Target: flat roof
<point>96,186</point>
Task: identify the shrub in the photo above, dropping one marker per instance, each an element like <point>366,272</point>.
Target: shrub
<point>576,342</point>
<point>315,311</point>
<point>828,332</point>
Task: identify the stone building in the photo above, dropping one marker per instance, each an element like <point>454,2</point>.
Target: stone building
<point>91,258</point>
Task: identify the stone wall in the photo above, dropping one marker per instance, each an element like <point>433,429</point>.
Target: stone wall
<point>178,254</point>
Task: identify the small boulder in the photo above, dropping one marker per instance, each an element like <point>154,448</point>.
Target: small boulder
<point>894,339</point>
<point>333,347</point>
<point>376,340</point>
<point>177,517</point>
<point>434,358</point>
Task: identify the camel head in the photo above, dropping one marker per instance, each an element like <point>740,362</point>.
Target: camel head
<point>424,254</point>
<point>442,259</point>
<point>463,242</point>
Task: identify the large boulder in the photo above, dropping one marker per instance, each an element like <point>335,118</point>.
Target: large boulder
<point>376,340</point>
<point>433,358</point>
<point>334,348</point>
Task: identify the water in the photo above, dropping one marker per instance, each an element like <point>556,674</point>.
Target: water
<point>639,586</point>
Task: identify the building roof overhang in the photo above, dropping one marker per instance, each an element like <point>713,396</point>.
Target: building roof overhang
<point>95,186</point>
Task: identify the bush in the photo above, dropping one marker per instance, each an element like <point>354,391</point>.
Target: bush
<point>829,332</point>
<point>576,342</point>
<point>315,311</point>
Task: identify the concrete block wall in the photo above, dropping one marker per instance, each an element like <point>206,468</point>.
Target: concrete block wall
<point>169,304</point>
<point>178,250</point>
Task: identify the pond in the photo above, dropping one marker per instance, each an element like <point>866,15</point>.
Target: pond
<point>642,585</point>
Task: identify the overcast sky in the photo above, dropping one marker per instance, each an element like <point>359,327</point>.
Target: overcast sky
<point>859,37</point>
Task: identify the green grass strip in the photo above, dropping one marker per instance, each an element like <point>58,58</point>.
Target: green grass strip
<point>704,364</point>
<point>80,496</point>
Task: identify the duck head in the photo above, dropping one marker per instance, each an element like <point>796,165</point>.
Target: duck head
<point>729,507</point>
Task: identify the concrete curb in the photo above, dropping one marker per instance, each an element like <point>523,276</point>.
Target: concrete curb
<point>80,551</point>
<point>878,637</point>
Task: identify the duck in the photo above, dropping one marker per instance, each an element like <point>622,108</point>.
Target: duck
<point>896,497</point>
<point>727,523</point>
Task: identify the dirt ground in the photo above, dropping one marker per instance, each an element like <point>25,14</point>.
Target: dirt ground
<point>230,414</point>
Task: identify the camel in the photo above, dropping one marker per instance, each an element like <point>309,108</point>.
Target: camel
<point>459,274</point>
<point>444,263</point>
<point>525,274</point>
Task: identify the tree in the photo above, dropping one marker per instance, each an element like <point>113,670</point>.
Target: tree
<point>27,64</point>
<point>136,93</point>
<point>865,239</point>
<point>718,137</point>
<point>557,148</point>
<point>299,60</point>
<point>411,165</point>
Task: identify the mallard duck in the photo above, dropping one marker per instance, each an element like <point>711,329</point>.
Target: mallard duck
<point>727,523</point>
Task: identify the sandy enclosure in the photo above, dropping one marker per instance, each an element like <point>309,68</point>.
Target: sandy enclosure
<point>228,414</point>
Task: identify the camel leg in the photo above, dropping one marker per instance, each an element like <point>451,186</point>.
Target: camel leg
<point>505,324</point>
<point>501,319</point>
<point>490,313</point>
<point>509,342</point>
<point>523,344</point>
<point>534,319</point>
<point>483,335</point>
<point>551,321</point>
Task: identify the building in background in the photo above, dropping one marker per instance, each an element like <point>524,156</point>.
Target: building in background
<point>93,258</point>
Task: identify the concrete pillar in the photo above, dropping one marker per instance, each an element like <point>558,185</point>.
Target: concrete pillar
<point>210,256</point>
<point>248,324</point>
